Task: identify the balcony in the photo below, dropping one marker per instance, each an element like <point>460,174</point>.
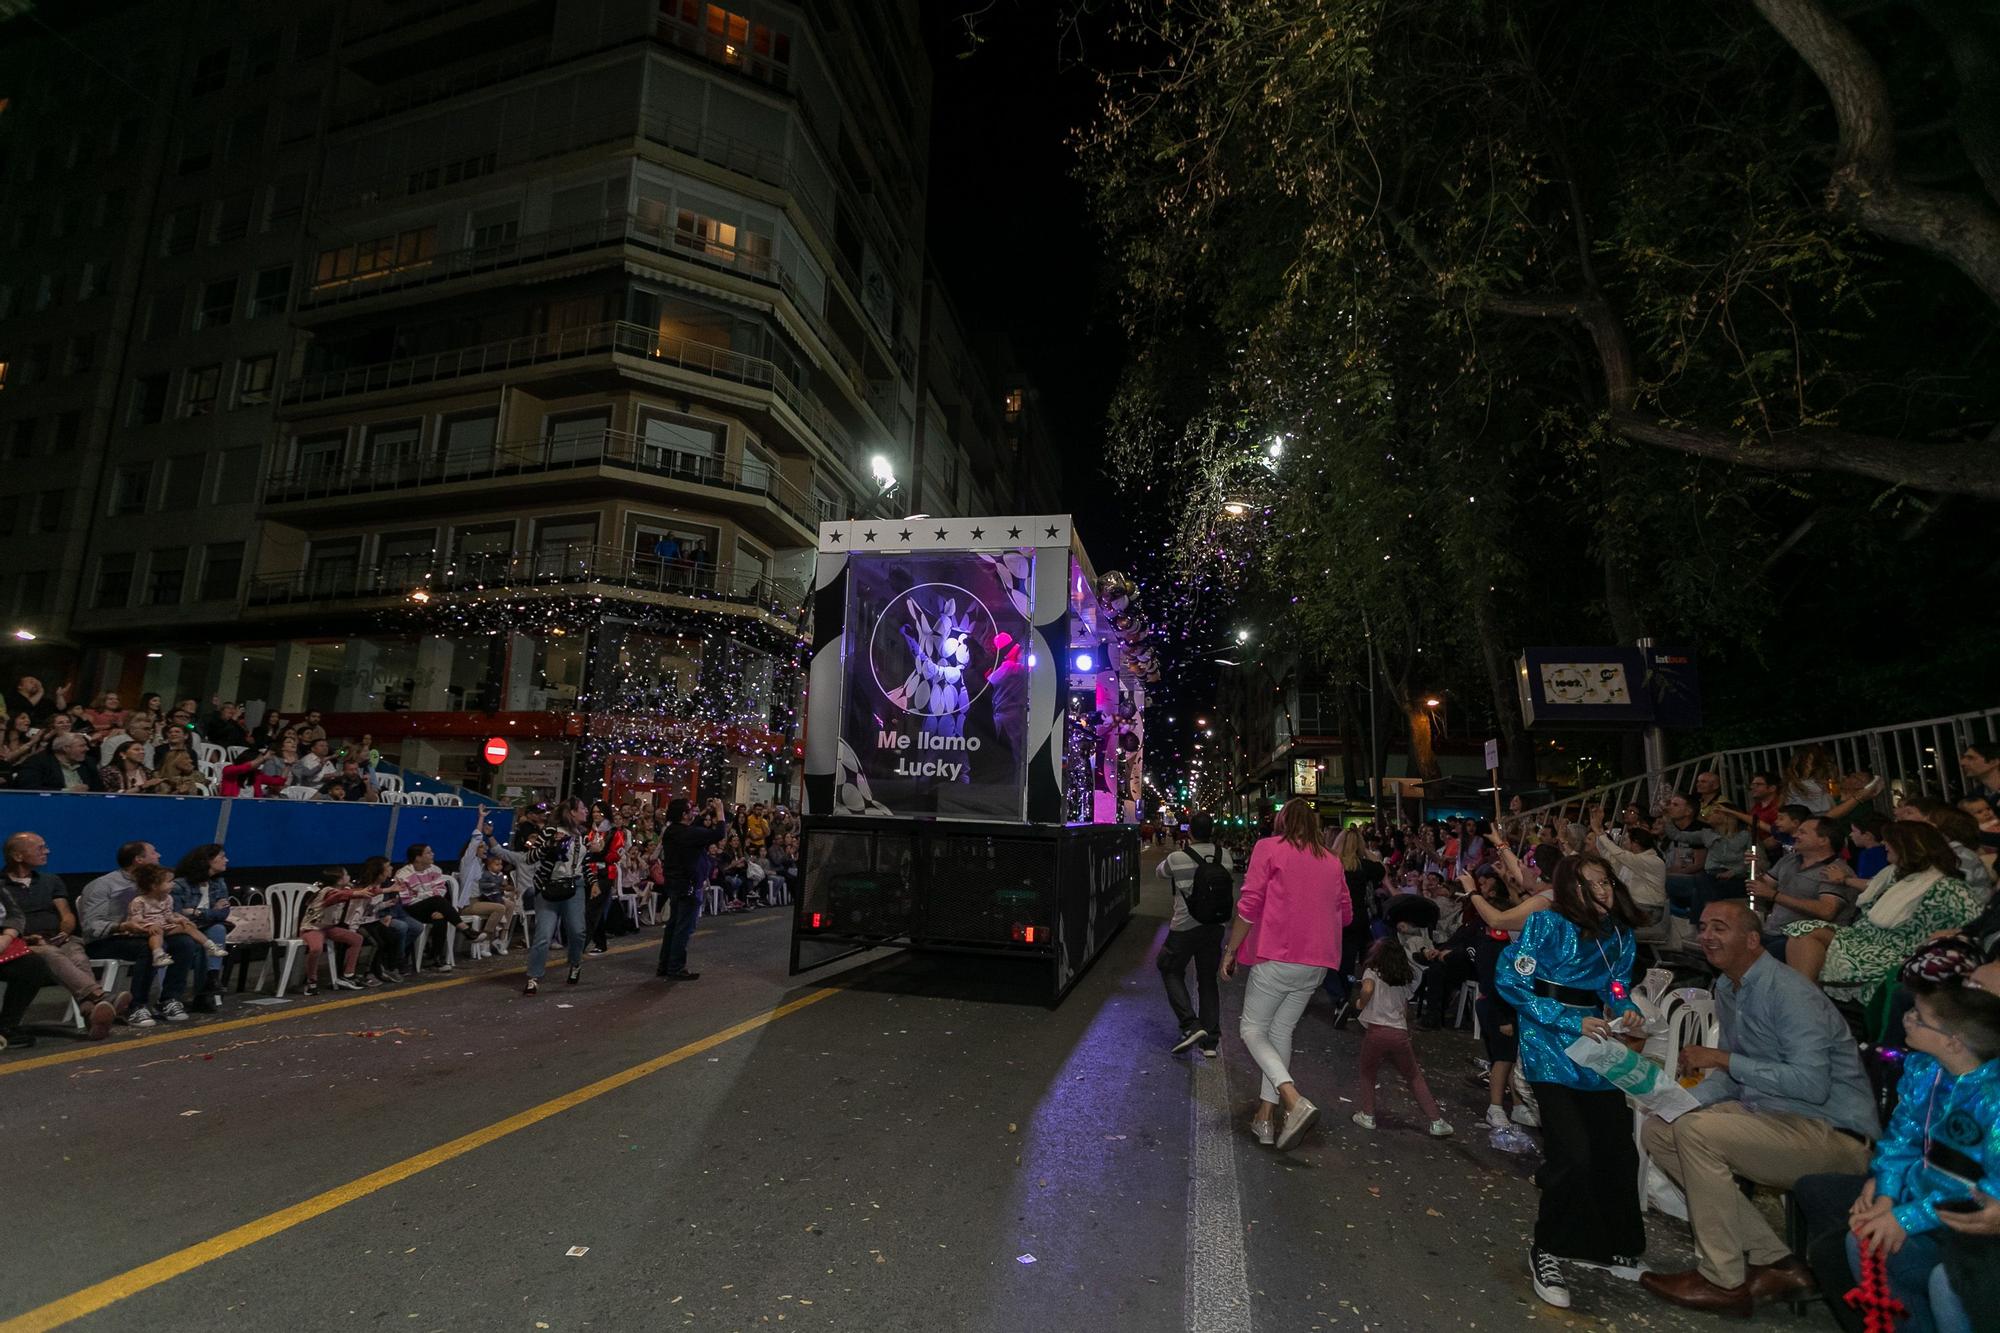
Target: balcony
<point>568,572</point>
<point>545,460</point>
<point>609,339</point>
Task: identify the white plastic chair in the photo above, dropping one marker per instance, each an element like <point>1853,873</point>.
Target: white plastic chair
<point>446,798</point>
<point>287,903</point>
<point>1691,1021</point>
<point>388,782</point>
<point>1468,996</point>
<point>207,752</point>
<point>106,971</point>
<point>300,793</point>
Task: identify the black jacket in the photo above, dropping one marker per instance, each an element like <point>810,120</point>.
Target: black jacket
<point>41,772</point>
<point>681,845</point>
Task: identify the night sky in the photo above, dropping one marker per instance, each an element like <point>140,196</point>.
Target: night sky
<point>1010,229</point>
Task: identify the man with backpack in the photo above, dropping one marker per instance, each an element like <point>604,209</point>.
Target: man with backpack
<point>1204,886</point>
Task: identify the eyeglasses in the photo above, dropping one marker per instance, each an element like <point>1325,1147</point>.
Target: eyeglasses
<point>1918,1020</point>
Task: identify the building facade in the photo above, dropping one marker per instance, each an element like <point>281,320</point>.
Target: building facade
<point>465,368</point>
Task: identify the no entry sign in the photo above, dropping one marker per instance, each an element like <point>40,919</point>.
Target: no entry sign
<point>496,750</point>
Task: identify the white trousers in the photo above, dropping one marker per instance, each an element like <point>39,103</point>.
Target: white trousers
<point>1277,995</point>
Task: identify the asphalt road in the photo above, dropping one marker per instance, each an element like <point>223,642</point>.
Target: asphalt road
<point>898,1144</point>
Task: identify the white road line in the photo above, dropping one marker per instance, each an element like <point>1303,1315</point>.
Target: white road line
<point>1217,1298</point>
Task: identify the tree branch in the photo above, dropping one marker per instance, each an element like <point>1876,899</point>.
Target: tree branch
<point>1961,229</point>
<point>1953,469</point>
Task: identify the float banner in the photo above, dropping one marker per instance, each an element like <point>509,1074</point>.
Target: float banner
<point>935,695</point>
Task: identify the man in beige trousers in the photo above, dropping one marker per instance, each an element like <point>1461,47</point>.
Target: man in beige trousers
<point>1783,1096</point>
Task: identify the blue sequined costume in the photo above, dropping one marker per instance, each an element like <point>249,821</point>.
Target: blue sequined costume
<point>1553,950</point>
<point>1963,1115</point>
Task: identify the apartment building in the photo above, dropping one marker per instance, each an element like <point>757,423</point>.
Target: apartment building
<point>570,304</point>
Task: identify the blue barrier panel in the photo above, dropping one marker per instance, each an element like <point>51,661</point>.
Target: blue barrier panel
<point>447,828</point>
<point>273,832</point>
<point>84,831</point>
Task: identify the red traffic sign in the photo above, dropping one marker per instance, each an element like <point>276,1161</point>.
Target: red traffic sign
<point>496,750</point>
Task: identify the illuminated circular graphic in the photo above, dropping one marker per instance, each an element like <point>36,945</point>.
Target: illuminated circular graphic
<point>931,650</point>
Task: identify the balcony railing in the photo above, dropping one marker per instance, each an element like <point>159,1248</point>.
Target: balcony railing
<point>570,564</point>
<point>612,337</point>
<point>534,458</point>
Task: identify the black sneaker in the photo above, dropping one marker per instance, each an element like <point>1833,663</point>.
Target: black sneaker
<point>1547,1275</point>
<point>575,974</point>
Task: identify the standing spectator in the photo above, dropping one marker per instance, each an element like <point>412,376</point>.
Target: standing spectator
<point>1499,1031</point>
<point>603,869</point>
<point>1364,875</point>
<point>1808,780</point>
<point>324,919</point>
<point>103,912</point>
<point>1784,1096</point>
<point>29,697</point>
<point>52,930</point>
<point>559,891</point>
<point>486,892</point>
<point>128,772</point>
<point>427,897</point>
<point>65,766</point>
<point>202,896</point>
<point>1566,977</point>
<point>23,972</point>
<point>1192,941</point>
<point>1287,932</point>
<point>683,846</point>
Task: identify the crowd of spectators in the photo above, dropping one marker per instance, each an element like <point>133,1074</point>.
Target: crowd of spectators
<point>153,749</point>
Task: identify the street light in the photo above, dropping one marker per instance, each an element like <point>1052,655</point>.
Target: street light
<point>25,635</point>
<point>1433,702</point>
<point>1243,636</point>
<point>885,475</point>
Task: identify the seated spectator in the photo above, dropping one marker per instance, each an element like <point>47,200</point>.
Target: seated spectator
<point>784,861</point>
<point>29,697</point>
<point>730,873</point>
<point>18,743</point>
<point>1724,872</point>
<point>177,775</point>
<point>127,771</point>
<point>1644,875</point>
<point>1941,1153</point>
<point>107,715</point>
<point>103,909</point>
<point>1683,851</point>
<point>152,913</point>
<point>317,764</point>
<point>425,896</point>
<point>1809,779</point>
<point>1783,1095</point>
<point>377,892</point>
<point>202,896</point>
<point>23,973</point>
<point>1959,830</point>
<point>51,930</point>
<point>1864,838</point>
<point>349,784</point>
<point>1807,885</point>
<point>1982,774</point>
<point>1918,895</point>
<point>64,766</point>
<point>138,727</point>
<point>224,726</point>
<point>1707,793</point>
<point>311,730</point>
<point>492,902</point>
<point>270,730</point>
<point>324,918</point>
<point>281,768</point>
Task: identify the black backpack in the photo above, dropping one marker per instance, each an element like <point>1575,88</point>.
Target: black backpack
<point>1211,899</point>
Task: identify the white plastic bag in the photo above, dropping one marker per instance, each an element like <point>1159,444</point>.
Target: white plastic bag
<point>1644,1082</point>
<point>1662,1195</point>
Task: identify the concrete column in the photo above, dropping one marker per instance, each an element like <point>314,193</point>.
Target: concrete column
<point>420,756</point>
<point>434,654</point>
<point>520,672</point>
<point>356,690</point>
<point>225,674</point>
<point>288,676</point>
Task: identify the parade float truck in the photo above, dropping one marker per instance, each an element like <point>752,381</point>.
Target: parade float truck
<point>973,745</point>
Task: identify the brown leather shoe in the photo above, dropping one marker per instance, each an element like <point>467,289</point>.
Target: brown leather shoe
<point>1696,1292</point>
<point>1786,1280</point>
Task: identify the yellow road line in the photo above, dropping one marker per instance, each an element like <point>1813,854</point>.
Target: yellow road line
<point>154,1039</point>
<point>130,1283</point>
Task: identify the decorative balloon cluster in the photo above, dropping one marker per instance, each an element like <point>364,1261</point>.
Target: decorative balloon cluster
<point>1119,596</point>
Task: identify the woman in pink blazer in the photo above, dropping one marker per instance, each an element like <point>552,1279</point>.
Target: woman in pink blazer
<point>1289,918</point>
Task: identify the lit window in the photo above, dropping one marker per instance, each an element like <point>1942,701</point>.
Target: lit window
<point>199,389</point>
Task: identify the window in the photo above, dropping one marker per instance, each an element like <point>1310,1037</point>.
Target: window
<point>89,279</point>
<point>260,53</point>
<point>299,118</point>
<point>166,576</point>
<point>217,304</point>
<point>81,356</point>
<point>685,445</point>
<point>232,218</point>
<point>495,227</point>
<point>576,435</point>
<point>482,544</point>
<point>285,204</point>
<point>272,292</point>
<point>34,365</point>
<point>469,438</point>
<point>318,456</point>
<point>406,557</point>
<point>24,230</point>
<point>246,134</point>
<point>178,236</point>
<point>314,36</point>
<point>34,591</point>
<point>50,507</point>
<point>758,469</point>
<point>182,492</point>
<point>332,566</point>
<point>221,571</point>
<point>149,400</point>
<point>253,379</point>
<point>369,259</point>
<point>130,485</point>
<point>48,290</point>
<point>69,432</point>
<point>114,581</point>
<point>394,446</point>
<point>211,71</point>
<point>197,150</point>
<point>236,475</point>
<point>200,385</point>
<point>562,544</point>
<point>450,173</point>
<point>734,245</point>
<point>163,314</point>
<point>716,34</point>
<point>110,208</point>
<point>22,443</point>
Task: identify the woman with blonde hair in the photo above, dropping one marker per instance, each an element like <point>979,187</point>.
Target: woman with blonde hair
<point>177,775</point>
<point>1287,932</point>
<point>1809,780</point>
<point>1363,874</point>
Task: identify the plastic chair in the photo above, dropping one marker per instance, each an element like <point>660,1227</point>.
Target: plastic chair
<point>388,782</point>
<point>1691,1021</point>
<point>446,798</point>
<point>300,793</point>
<point>207,752</point>
<point>106,970</point>
<point>287,903</point>
<point>1468,996</point>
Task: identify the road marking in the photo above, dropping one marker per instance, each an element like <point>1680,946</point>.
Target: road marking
<point>112,1290</point>
<point>1217,1298</point>
<point>155,1038</point>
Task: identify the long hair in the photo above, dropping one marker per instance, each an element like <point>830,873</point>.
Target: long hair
<point>1391,962</point>
<point>1917,846</point>
<point>1348,848</point>
<point>194,866</point>
<point>371,871</point>
<point>1298,824</point>
<point>1574,901</point>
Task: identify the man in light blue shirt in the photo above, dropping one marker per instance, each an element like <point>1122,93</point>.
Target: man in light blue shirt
<point>1782,1095</point>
